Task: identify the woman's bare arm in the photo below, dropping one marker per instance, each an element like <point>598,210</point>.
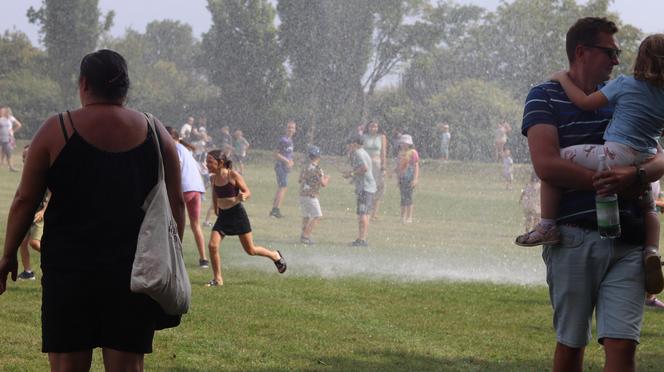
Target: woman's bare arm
<point>172,176</point>
<point>245,193</point>
<point>29,194</point>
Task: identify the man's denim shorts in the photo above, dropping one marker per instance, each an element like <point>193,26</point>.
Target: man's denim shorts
<point>586,273</point>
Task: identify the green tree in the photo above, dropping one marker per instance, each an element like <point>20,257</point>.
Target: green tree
<point>69,29</point>
<point>32,96</point>
<point>328,48</point>
<point>241,56</point>
<point>17,52</point>
<point>172,41</point>
<point>24,85</point>
<point>393,40</point>
<point>407,28</point>
<point>473,108</point>
<point>165,83</point>
<point>518,45</point>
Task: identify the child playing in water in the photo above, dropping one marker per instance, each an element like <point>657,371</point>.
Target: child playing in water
<point>240,147</point>
<point>631,139</point>
<point>311,180</point>
<point>408,171</point>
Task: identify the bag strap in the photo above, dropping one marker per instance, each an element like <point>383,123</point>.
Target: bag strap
<point>155,134</point>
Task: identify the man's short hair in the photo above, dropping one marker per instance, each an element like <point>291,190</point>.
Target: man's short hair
<point>585,31</point>
<point>358,140</point>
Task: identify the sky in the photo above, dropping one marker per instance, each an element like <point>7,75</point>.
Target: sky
<point>136,14</point>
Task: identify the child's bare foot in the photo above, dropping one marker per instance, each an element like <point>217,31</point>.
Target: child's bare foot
<point>548,235</point>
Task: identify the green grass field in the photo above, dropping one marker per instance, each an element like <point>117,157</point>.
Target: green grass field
<point>449,292</point>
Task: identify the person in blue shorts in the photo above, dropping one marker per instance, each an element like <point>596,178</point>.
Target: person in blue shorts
<point>608,274</point>
<point>365,186</point>
<point>283,156</point>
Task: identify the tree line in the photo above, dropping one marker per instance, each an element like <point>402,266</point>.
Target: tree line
<point>329,65</point>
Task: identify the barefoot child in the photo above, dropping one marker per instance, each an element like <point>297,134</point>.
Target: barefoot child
<point>311,180</point>
<point>631,139</point>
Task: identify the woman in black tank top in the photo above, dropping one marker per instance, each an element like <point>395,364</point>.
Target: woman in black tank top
<point>99,162</point>
<point>228,192</point>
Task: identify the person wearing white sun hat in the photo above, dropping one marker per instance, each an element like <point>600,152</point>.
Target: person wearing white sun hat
<point>408,171</point>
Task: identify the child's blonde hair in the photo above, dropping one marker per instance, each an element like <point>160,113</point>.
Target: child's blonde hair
<point>649,64</point>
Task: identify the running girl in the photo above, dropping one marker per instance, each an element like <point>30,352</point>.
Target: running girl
<point>228,192</point>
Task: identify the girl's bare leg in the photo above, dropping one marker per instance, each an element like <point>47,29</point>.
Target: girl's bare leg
<point>374,211</point>
<point>215,259</point>
<point>25,255</point>
<point>255,250</point>
<point>310,226</point>
<point>209,214</point>
<point>305,223</point>
<point>409,213</point>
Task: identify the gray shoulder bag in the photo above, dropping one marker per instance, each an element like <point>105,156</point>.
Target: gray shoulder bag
<point>158,270</point>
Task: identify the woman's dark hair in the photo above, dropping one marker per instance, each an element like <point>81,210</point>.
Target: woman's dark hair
<point>106,73</point>
<point>218,155</point>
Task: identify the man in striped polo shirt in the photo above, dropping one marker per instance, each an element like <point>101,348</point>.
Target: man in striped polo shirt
<point>586,273</point>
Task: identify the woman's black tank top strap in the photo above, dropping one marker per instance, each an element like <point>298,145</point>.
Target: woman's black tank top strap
<point>62,125</point>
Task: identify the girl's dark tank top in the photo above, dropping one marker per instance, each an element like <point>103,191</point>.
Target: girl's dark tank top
<point>95,211</point>
<point>226,191</point>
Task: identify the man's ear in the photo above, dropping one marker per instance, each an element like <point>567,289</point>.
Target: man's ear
<point>83,83</point>
<point>579,53</point>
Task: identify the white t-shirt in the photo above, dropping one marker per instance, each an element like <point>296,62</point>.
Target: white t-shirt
<point>191,176</point>
<point>185,131</point>
<point>6,128</point>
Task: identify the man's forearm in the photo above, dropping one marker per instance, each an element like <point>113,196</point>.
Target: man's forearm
<point>654,168</point>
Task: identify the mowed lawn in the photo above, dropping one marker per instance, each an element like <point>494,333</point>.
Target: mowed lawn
<point>449,292</point>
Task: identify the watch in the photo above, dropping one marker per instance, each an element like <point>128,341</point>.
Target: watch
<point>640,175</point>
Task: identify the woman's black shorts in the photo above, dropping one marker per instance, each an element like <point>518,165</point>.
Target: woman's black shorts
<point>232,221</point>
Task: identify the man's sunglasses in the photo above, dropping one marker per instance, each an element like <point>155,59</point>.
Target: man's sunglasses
<point>610,52</point>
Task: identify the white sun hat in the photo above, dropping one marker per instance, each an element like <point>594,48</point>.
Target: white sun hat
<point>406,138</point>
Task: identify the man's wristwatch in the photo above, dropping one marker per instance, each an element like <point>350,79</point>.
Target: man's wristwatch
<point>640,175</point>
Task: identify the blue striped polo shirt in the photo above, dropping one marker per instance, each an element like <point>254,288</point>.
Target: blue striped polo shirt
<point>547,103</point>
